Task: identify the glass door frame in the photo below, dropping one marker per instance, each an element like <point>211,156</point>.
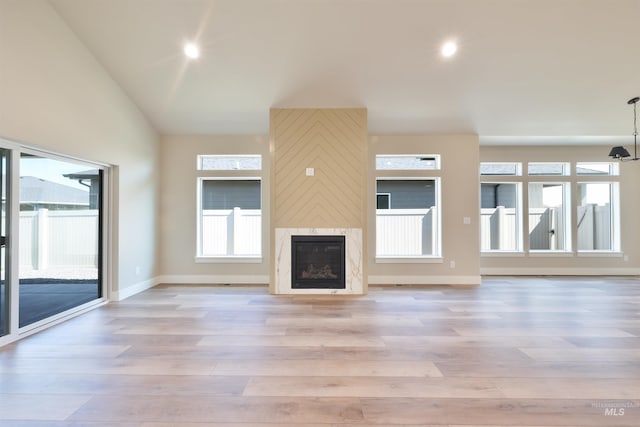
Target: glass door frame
<point>8,300</point>
<point>12,247</point>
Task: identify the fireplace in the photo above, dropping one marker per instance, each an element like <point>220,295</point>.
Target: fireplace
<point>351,268</point>
<point>318,262</point>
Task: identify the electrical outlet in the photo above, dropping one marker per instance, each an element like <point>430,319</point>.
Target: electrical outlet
<point>452,264</point>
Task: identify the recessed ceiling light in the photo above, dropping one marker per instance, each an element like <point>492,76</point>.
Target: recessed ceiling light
<point>191,50</point>
<point>449,49</point>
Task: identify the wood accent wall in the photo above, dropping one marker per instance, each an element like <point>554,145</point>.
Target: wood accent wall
<point>334,143</point>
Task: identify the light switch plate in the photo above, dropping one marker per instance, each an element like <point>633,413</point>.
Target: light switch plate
<point>310,172</point>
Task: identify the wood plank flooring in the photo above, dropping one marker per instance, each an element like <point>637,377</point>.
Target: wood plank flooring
<point>511,352</point>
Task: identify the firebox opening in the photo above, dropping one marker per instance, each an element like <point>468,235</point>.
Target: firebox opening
<point>317,262</point>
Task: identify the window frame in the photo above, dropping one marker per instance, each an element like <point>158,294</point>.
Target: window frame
<point>105,257</point>
<point>228,175</point>
<point>572,180</point>
<point>436,257</point>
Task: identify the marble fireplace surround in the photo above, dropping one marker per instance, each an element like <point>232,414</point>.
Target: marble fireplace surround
<point>353,259</point>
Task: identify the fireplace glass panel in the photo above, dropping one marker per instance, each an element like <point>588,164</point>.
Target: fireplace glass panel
<point>318,262</point>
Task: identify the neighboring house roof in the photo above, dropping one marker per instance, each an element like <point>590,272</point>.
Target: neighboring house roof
<point>541,169</point>
<point>88,174</point>
<point>405,162</point>
<point>497,169</point>
<point>40,191</point>
<point>588,171</point>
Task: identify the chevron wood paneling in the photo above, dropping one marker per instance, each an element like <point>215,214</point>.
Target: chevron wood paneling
<point>334,143</point>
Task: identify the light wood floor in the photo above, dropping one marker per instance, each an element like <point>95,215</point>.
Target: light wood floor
<point>526,352</point>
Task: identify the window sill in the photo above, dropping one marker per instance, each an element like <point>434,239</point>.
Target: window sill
<point>502,254</point>
<point>228,260</point>
<point>551,254</point>
<point>409,260</point>
<point>586,254</point>
<point>600,254</point>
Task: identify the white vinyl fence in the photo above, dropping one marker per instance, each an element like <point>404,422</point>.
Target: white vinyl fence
<point>406,232</point>
<point>52,239</point>
<point>546,228</point>
<point>400,232</point>
<point>231,232</point>
<point>594,227</point>
<point>498,227</point>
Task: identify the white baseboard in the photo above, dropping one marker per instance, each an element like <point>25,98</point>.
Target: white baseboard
<point>129,291</point>
<point>214,279</point>
<point>425,280</point>
<point>377,280</point>
<point>560,271</point>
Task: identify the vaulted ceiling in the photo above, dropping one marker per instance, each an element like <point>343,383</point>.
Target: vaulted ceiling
<point>526,70</point>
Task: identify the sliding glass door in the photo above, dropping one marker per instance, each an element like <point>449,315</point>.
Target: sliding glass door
<point>51,238</point>
<point>4,209</point>
<point>60,220</point>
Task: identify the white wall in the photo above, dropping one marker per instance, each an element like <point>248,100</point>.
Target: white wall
<point>55,95</point>
<point>178,214</point>
<point>460,198</point>
<point>461,155</point>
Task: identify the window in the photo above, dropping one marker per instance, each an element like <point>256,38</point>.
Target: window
<point>500,221</point>
<point>383,201</point>
<point>548,169</point>
<point>229,207</point>
<point>549,220</point>
<point>407,218</point>
<point>501,207</point>
<point>500,169</point>
<point>229,162</point>
<point>407,207</point>
<point>408,162</point>
<point>548,217</point>
<point>597,169</point>
<point>597,221</point>
<point>230,217</point>
<point>597,209</point>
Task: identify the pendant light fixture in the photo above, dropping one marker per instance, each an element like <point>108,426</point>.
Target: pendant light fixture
<point>621,153</point>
